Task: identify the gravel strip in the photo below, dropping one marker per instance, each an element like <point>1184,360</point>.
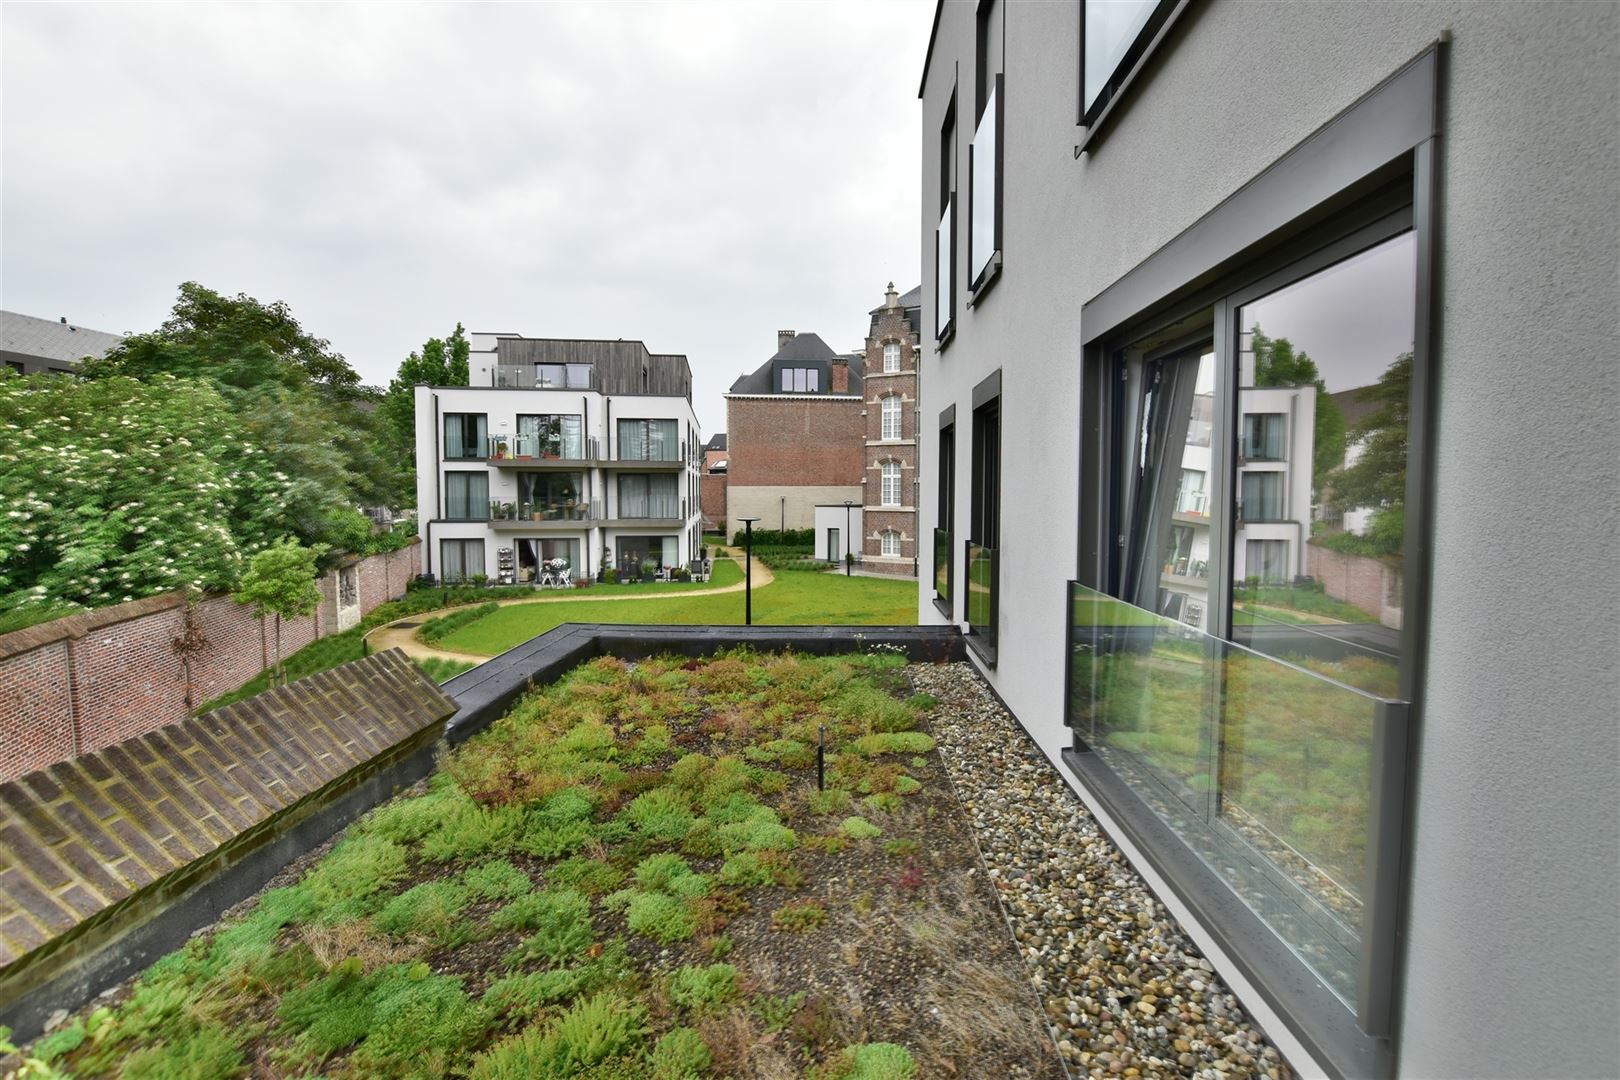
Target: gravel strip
<point>1124,988</point>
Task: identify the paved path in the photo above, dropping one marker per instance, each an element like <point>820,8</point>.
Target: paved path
<point>396,636</point>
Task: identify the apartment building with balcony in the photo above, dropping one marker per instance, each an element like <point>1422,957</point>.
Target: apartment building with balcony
<point>561,456</point>
<point>1243,325</point>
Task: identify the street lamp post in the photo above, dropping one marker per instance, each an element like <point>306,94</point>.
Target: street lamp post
<point>748,572</point>
<point>848,551</point>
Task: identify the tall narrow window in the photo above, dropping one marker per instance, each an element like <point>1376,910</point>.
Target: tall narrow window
<point>984,160</point>
<point>984,537</point>
<point>461,560</point>
<point>466,496</point>
<point>1115,34</point>
<point>891,416</point>
<point>466,436</point>
<point>891,484</point>
<point>889,542</point>
<point>891,357</point>
<point>944,516</point>
<point>944,246</point>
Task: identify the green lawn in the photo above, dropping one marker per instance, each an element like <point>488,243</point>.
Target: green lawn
<point>794,598</point>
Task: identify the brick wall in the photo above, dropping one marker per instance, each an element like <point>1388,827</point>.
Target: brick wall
<point>889,324</point>
<point>712,497</point>
<point>810,441</point>
<point>1370,584</point>
<point>88,681</point>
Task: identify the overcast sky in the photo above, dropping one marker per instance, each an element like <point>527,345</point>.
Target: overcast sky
<point>694,175</point>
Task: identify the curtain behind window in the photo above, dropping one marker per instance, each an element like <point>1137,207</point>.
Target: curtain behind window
<point>466,496</point>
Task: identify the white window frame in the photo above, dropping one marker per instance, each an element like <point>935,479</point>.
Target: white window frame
<point>891,357</point>
<point>890,472</point>
<point>893,426</point>
<point>889,542</point>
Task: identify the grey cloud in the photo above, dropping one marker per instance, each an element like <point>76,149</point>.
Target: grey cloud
<point>696,175</point>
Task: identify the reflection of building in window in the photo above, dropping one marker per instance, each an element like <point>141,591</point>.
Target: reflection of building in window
<point>1267,560</point>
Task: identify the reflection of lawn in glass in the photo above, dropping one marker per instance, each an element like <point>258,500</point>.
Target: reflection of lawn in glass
<point>1296,754</point>
<point>1295,749</point>
<point>1152,705</point>
<point>1278,601</point>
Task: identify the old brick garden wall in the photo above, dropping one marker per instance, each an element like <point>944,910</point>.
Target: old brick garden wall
<point>1372,585</point>
<point>86,682</point>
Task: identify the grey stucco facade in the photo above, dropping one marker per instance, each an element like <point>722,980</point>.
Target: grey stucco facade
<point>1510,921</point>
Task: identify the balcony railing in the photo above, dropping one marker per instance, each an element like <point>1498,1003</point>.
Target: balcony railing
<point>543,511</point>
<point>529,449</point>
<point>943,565</point>
<point>1283,782</point>
<point>981,598</point>
<point>544,377</point>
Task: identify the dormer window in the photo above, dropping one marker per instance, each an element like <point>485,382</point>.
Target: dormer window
<point>799,380</point>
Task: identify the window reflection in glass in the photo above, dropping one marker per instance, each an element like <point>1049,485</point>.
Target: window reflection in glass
<point>1168,505</point>
<point>982,238</point>
<point>1112,27</point>
<point>1324,374</point>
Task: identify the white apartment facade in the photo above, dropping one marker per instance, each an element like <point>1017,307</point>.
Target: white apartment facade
<point>561,460</point>
<point>1386,814</point>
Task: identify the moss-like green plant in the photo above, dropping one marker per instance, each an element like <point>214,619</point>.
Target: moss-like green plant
<point>655,872</point>
<point>903,849</point>
<point>352,873</point>
<point>831,801</point>
<point>907,785</point>
<point>661,917</point>
<point>432,909</point>
<point>893,742</point>
<point>858,828</point>
<point>884,802</point>
<point>680,1055</point>
<point>420,1023</point>
<point>661,815</point>
<point>590,876</point>
<point>560,919</point>
<point>593,1031</point>
<point>799,917</point>
<point>870,1061</point>
<point>761,830</point>
<point>497,879</point>
<point>206,1053</point>
<point>704,989</point>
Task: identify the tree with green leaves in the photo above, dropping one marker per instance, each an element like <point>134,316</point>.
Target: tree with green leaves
<point>1377,480</point>
<point>280,581</point>
<point>1277,363</point>
<point>298,401</point>
<point>116,489</point>
<point>442,362</point>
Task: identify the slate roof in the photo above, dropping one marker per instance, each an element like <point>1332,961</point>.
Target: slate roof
<point>716,442</point>
<point>50,339</point>
<point>912,303</point>
<point>805,346</point>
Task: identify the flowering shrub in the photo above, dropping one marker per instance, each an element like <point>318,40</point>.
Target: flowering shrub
<point>114,489</point>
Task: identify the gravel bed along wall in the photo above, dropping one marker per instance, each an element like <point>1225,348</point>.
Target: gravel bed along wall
<point>1125,989</point>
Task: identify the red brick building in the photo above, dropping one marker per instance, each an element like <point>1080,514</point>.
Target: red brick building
<point>795,431</point>
<point>712,484</point>
<point>890,532</point>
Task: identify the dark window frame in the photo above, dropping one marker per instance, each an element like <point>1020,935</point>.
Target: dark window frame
<point>980,285</point>
<point>945,317</point>
<point>449,473</point>
<point>1365,177</point>
<point>984,504</point>
<point>1094,118</point>
<point>483,442</point>
<point>945,511</point>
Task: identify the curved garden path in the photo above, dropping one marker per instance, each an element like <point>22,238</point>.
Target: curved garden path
<point>393,635</point>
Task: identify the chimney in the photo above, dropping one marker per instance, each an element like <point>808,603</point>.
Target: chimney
<point>783,337</point>
<point>891,299</point>
<point>840,375</point>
